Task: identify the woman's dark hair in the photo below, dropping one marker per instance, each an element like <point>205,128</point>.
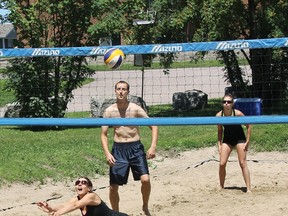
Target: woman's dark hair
<point>229,95</point>
<point>90,184</point>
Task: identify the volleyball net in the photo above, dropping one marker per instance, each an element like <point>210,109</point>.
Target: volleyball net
<point>189,91</point>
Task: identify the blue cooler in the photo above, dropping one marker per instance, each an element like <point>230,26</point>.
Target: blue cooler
<point>249,106</point>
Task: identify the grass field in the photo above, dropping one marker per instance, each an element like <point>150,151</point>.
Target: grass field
<point>29,155</point>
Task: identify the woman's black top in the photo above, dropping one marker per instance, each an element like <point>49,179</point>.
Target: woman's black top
<point>100,210</point>
<point>233,134</point>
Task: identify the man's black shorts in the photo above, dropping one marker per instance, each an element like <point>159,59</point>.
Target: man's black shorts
<point>128,155</point>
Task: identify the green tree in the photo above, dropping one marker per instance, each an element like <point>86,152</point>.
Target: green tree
<point>225,20</point>
<point>172,20</point>
<point>220,20</point>
<point>43,85</point>
<point>231,20</point>
<point>49,81</point>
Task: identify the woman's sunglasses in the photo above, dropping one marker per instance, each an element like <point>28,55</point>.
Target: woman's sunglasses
<point>227,101</point>
<point>83,182</point>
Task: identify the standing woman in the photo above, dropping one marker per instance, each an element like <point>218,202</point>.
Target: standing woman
<point>233,136</point>
<point>88,202</point>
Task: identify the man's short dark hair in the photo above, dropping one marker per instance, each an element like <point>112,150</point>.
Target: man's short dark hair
<point>123,82</point>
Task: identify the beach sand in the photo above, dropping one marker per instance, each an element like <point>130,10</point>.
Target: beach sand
<point>184,183</point>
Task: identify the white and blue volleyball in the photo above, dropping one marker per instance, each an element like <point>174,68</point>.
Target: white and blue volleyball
<point>113,58</point>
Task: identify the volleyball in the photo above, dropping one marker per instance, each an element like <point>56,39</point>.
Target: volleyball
<point>113,58</point>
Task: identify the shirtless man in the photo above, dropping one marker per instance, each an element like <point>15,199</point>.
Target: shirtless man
<point>127,151</point>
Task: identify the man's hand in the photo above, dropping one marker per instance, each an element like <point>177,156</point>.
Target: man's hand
<point>110,159</point>
<point>151,153</point>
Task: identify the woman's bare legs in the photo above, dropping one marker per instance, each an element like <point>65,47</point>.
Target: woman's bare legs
<point>242,154</point>
<point>224,155</point>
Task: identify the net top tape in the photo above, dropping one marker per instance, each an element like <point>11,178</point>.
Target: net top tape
<point>148,48</point>
<point>282,119</point>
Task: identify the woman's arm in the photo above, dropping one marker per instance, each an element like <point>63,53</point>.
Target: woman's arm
<point>89,199</point>
<point>219,132</point>
<point>45,207</point>
<point>248,126</point>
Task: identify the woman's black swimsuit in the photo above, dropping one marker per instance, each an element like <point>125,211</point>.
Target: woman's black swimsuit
<point>100,210</point>
<point>233,134</point>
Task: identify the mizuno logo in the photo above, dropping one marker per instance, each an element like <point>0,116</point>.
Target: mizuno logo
<point>229,45</point>
<point>97,51</point>
<point>161,49</point>
<point>42,52</point>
